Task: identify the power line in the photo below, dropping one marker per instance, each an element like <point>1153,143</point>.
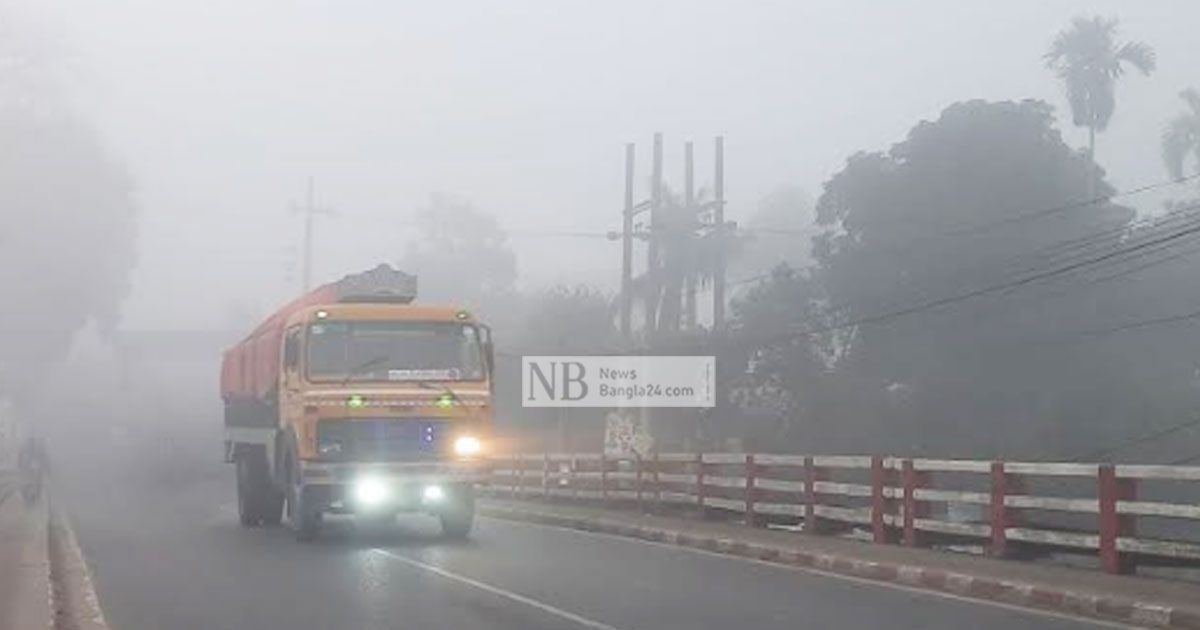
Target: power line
<point>1131,252</point>
<point>1150,437</point>
<point>805,231</point>
<point>1185,460</point>
<point>1026,216</point>
<point>558,233</point>
<point>1003,286</point>
<point>1153,263</point>
<point>1148,244</point>
<point>1124,273</point>
<point>1069,206</point>
<point>1144,323</point>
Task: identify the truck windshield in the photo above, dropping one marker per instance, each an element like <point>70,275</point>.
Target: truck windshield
<point>394,351</point>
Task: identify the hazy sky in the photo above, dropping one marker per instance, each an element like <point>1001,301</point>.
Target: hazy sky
<point>222,108</point>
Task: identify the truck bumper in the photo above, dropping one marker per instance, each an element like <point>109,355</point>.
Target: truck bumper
<point>333,488</point>
<point>323,473</point>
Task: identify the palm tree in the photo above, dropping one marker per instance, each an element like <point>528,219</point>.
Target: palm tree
<point>1089,60</point>
<point>1183,136</point>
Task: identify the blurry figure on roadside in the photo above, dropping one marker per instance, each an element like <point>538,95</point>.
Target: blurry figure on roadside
<point>33,464</point>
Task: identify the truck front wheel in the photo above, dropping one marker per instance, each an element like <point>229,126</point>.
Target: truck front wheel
<point>306,521</point>
<point>458,516</point>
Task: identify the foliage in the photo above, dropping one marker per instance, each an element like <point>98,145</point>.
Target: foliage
<point>565,320</point>
<point>779,232</point>
<point>461,254</point>
<point>67,224</point>
<point>1182,136</point>
<point>940,214</point>
<point>1089,60</point>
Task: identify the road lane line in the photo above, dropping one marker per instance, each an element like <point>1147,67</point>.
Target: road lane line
<point>1106,623</point>
<point>496,590</point>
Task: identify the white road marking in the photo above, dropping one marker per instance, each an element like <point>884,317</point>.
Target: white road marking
<point>496,590</point>
<point>839,576</point>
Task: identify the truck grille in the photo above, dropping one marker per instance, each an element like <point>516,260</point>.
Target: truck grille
<point>379,440</point>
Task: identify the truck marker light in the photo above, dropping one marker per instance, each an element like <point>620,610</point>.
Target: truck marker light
<point>462,315</point>
<point>322,314</point>
<point>356,401</point>
<point>444,401</point>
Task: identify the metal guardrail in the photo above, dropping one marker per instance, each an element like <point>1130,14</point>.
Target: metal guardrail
<point>894,497</point>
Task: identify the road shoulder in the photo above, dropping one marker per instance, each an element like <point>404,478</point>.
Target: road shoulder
<point>24,561</point>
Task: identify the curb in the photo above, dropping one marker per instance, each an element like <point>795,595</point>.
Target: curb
<point>76,605</point>
<point>30,572</point>
<point>1103,607</point>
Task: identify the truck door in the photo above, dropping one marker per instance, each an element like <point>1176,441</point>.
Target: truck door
<point>290,400</point>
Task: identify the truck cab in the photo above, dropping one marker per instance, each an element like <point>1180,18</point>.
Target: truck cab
<point>377,406</point>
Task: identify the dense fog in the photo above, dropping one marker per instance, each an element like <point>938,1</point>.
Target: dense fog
<point>925,254</point>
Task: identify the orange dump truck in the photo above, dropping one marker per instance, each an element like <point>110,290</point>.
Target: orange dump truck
<point>354,400</point>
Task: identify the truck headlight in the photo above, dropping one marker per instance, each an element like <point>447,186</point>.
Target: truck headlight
<point>467,446</point>
<point>371,492</point>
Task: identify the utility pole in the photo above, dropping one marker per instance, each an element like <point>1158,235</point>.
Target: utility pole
<point>659,315</point>
<point>309,210</point>
<point>722,235</point>
<point>689,201</point>
<point>652,266</point>
<point>627,247</point>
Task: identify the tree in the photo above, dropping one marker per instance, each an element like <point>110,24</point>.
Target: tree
<point>560,320</point>
<point>566,320</point>
<point>67,223</point>
<point>941,214</point>
<point>1182,136</point>
<point>1088,59</point>
<point>779,232</point>
<point>461,255</point>
<point>783,383</point>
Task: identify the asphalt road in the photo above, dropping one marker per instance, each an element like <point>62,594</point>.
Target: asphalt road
<point>172,556</point>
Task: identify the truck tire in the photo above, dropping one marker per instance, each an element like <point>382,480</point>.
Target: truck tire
<point>306,522</point>
<point>458,517</point>
<point>272,514</point>
<point>253,487</point>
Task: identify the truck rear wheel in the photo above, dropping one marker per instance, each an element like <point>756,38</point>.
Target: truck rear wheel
<point>254,490</point>
<point>272,514</point>
<point>458,517</point>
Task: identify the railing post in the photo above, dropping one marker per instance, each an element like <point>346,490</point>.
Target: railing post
<point>751,475</point>
<point>998,514</point>
<point>912,481</point>
<point>603,477</point>
<point>1113,525</point>
<point>546,476</point>
<point>572,465</point>
<point>519,477</point>
<point>879,502</point>
<point>638,463</point>
<point>812,522</point>
<point>700,483</point>
<point>657,487</point>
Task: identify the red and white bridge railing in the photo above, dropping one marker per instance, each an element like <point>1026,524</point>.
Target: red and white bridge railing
<point>1123,513</point>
